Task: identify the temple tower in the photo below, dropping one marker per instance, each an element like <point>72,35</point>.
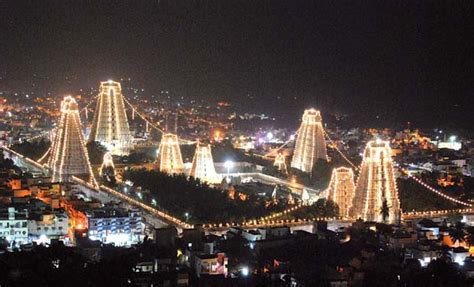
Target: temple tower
<point>69,155</point>
<point>110,126</point>
<point>376,184</point>
<point>310,144</point>
<point>341,189</point>
<point>203,164</point>
<point>170,157</point>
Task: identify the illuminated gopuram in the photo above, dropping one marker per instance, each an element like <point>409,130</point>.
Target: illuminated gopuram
<point>68,150</point>
<point>341,189</point>
<point>170,157</point>
<point>310,144</point>
<point>203,164</point>
<point>280,163</point>
<point>110,126</point>
<point>376,184</point>
<point>107,169</point>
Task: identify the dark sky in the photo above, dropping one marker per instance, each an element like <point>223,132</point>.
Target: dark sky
<point>399,60</point>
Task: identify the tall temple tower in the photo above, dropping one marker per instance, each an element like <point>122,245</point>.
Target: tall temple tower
<point>203,164</point>
<point>170,157</point>
<point>310,144</point>
<point>341,189</point>
<point>376,184</point>
<point>69,155</point>
<point>110,126</point>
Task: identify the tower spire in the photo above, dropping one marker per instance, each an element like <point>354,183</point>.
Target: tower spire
<point>310,144</point>
<point>341,189</point>
<point>203,164</point>
<point>68,150</point>
<point>170,157</point>
<point>376,184</point>
<point>110,126</point>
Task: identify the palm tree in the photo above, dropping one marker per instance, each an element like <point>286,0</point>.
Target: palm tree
<point>385,210</point>
<point>457,234</point>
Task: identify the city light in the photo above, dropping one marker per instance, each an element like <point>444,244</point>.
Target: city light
<point>228,164</point>
<point>245,271</point>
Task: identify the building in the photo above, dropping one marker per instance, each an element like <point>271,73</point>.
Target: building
<point>376,185</point>
<point>280,163</point>
<point>203,164</point>
<point>341,189</point>
<point>68,156</point>
<point>47,226</point>
<point>110,126</point>
<point>211,264</point>
<point>119,226</point>
<point>14,225</point>
<point>310,144</point>
<point>170,157</point>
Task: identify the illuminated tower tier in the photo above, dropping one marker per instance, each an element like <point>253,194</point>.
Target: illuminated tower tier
<point>376,184</point>
<point>110,126</point>
<point>68,150</point>
<point>107,169</point>
<point>280,162</point>
<point>341,189</point>
<point>310,144</point>
<point>203,164</point>
<point>170,157</point>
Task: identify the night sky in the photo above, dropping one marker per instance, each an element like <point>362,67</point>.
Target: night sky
<point>398,60</point>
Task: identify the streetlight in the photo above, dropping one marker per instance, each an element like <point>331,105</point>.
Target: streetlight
<point>245,271</point>
<point>153,201</point>
<point>228,164</point>
<point>187,216</point>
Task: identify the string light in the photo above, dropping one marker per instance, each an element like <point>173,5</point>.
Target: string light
<point>181,141</point>
<point>150,209</point>
<point>450,198</point>
<point>339,151</point>
<point>44,155</point>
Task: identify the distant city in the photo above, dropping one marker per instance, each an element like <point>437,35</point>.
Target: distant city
<point>236,143</point>
<point>108,169</point>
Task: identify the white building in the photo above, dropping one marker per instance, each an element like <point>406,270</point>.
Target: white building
<point>45,227</point>
<point>14,225</point>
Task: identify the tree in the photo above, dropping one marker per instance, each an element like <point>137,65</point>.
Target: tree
<point>96,152</point>
<point>457,234</point>
<point>385,210</point>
